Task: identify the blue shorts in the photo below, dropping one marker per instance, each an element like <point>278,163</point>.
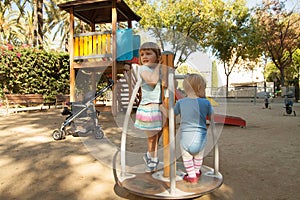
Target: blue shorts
<point>193,142</point>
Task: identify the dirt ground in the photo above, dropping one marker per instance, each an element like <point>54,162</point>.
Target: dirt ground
<point>260,161</point>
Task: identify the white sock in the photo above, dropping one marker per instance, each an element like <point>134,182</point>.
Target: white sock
<point>189,167</point>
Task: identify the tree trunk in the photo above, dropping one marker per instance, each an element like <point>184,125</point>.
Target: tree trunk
<point>35,22</point>
<point>38,24</point>
<point>282,82</point>
<point>297,93</point>
<point>227,85</point>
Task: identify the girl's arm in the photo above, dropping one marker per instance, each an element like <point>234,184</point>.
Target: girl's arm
<point>151,78</point>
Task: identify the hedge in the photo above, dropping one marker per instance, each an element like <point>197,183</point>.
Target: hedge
<point>33,71</point>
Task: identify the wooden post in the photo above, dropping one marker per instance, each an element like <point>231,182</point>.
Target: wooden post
<point>114,58</point>
<point>130,77</point>
<point>71,49</point>
<point>167,61</point>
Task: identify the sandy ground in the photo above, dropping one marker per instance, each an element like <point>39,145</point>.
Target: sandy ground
<point>260,161</point>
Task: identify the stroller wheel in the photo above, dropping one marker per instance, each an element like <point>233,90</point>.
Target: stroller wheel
<point>57,135</point>
<point>99,133</point>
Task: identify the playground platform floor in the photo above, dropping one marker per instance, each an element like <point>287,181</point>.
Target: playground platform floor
<point>260,161</point>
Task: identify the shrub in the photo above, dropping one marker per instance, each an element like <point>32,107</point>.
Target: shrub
<point>33,71</point>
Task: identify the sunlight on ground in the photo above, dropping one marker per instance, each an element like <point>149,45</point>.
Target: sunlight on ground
<point>36,139</point>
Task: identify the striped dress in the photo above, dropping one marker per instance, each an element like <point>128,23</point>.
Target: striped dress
<point>148,114</point>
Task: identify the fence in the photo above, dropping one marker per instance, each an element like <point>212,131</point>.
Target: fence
<point>241,92</point>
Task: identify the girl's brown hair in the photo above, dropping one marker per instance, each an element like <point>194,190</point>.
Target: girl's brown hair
<point>153,47</point>
<point>195,83</point>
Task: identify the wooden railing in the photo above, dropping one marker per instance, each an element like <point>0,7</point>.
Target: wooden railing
<point>92,45</point>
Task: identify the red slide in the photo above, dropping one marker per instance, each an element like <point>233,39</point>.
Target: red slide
<point>221,119</point>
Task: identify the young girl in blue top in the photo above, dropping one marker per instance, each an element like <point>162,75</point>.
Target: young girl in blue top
<point>194,110</point>
<point>148,115</point>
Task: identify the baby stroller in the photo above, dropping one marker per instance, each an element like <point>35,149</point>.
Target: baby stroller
<point>82,118</point>
<point>288,104</point>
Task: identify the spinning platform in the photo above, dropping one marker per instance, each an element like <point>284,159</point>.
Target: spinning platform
<point>156,186</point>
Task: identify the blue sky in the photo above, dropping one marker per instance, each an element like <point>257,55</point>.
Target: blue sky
<point>290,4</point>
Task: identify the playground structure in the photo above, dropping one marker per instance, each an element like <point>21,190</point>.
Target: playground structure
<point>109,52</point>
<point>167,182</point>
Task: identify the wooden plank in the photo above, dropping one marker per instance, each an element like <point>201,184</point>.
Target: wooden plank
<point>85,46</point>
<point>95,52</point>
<point>34,99</point>
<point>72,70</point>
<point>15,99</point>
<point>62,99</point>
<point>94,64</point>
<point>99,44</point>
<point>167,62</point>
<point>90,44</point>
<point>103,44</point>
<point>18,101</point>
<point>165,99</point>
<point>93,56</point>
<point>76,46</point>
<point>91,33</point>
<point>81,48</point>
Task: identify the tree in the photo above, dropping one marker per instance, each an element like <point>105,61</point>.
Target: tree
<point>29,21</point>
<point>10,29</point>
<point>296,67</point>
<point>231,35</point>
<point>173,23</point>
<point>280,33</point>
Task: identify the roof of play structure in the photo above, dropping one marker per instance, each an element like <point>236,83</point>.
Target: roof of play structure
<point>99,11</point>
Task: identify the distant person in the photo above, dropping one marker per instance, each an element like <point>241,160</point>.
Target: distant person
<point>193,109</point>
<point>148,115</point>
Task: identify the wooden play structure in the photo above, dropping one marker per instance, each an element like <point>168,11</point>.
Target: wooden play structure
<point>109,52</point>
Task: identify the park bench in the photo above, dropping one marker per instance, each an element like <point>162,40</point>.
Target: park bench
<point>62,99</point>
<point>25,102</point>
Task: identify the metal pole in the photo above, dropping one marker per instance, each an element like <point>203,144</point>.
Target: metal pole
<point>125,127</point>
<point>216,147</point>
<point>171,90</point>
<point>216,160</point>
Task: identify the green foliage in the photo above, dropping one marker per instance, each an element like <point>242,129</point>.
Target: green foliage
<point>26,70</point>
<point>186,69</point>
<point>272,73</point>
<point>280,33</point>
<point>174,24</point>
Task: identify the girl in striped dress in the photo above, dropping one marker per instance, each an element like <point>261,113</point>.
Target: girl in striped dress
<point>148,115</point>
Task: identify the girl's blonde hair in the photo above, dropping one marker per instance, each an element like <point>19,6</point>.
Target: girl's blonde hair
<point>153,47</point>
<point>195,83</point>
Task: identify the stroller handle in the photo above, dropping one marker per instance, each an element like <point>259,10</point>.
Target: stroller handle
<point>109,85</point>
<point>100,92</point>
<point>111,82</point>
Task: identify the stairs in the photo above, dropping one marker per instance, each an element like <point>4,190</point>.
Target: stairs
<point>124,90</point>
